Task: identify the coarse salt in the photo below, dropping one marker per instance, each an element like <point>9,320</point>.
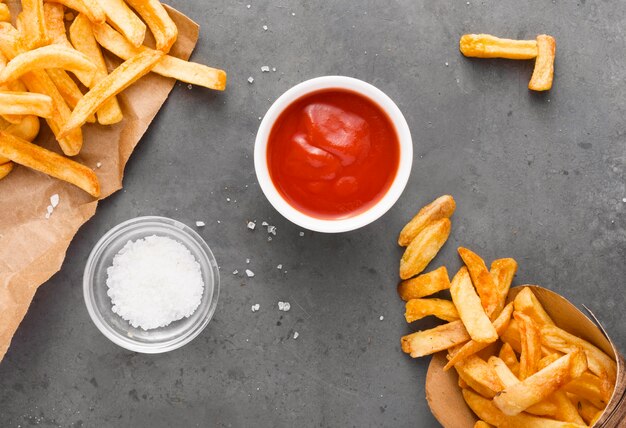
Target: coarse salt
<point>301,233</point>
<point>98,165</point>
<point>284,306</point>
<point>272,230</point>
<point>54,200</point>
<point>255,308</point>
<point>235,272</point>
<point>265,28</point>
<point>251,225</point>
<point>295,335</point>
<point>200,224</point>
<point>279,267</point>
<point>250,79</point>
<point>265,224</point>
<point>249,273</point>
<point>247,261</point>
<point>265,69</point>
<point>381,318</point>
<point>154,281</point>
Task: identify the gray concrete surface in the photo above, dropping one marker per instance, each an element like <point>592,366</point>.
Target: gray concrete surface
<point>538,177</point>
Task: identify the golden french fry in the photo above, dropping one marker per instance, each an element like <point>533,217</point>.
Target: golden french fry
<point>417,309</point>
<point>27,129</point>
<point>425,284</point>
<point>168,66</point>
<point>424,248</point>
<point>516,398</point>
<point>34,21</point>
<point>531,345</point>
<point>122,77</point>
<point>585,408</point>
<point>502,271</point>
<point>434,340</point>
<point>90,8</point>
<point>5,13</point>
<point>32,156</point>
<point>482,280</point>
<point>124,20</point>
<point>512,336</point>
<point>488,46</point>
<point>472,347</point>
<point>480,376</point>
<point>507,354</point>
<point>84,41</point>
<point>484,408</point>
<point>5,169</point>
<point>158,20</point>
<point>527,303</point>
<point>442,207</point>
<point>482,424</point>
<point>549,359</point>
<point>51,56</point>
<point>470,309</point>
<point>589,387</point>
<point>10,43</point>
<point>543,73</point>
<point>55,25</point>
<point>24,103</point>
<point>565,410</point>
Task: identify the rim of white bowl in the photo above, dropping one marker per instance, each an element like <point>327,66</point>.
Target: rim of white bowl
<point>366,217</point>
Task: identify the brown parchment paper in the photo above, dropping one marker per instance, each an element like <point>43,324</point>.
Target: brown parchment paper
<point>32,248</point>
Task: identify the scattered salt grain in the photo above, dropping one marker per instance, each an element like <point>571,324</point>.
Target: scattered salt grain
<point>265,224</point>
<point>99,164</point>
<point>624,200</point>
<point>249,273</point>
<point>279,267</point>
<point>265,28</point>
<point>251,225</point>
<point>273,68</point>
<point>301,233</point>
<point>49,208</point>
<point>272,230</point>
<point>200,224</point>
<point>295,335</point>
<point>447,64</point>
<point>269,238</point>
<point>235,272</point>
<point>265,69</point>
<point>293,13</point>
<point>284,306</point>
<point>227,199</point>
<point>250,79</point>
<point>248,261</point>
<point>255,308</point>
<point>381,318</point>
<point>54,200</point>
<point>248,6</point>
<point>189,86</point>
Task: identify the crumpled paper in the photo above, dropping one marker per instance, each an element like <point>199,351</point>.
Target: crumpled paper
<point>32,248</point>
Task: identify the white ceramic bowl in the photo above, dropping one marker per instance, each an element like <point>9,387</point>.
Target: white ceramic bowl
<point>360,219</point>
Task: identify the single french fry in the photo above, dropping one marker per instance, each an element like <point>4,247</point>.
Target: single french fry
<point>502,271</point>
<point>531,345</point>
<point>10,43</point>
<point>480,376</point>
<point>442,207</point>
<point>89,8</point>
<point>483,408</point>
<point>565,410</point>
<point>549,359</point>
<point>527,304</point>
<point>589,387</point>
<point>156,17</point>
<point>122,77</point>
<point>543,73</point>
<point>32,156</point>
<point>488,46</point>
<point>417,309</point>
<point>168,66</point>
<point>51,56</point>
<point>55,25</point>
<point>507,354</point>
<point>470,309</point>
<point>472,347</point>
<point>34,20</point>
<point>84,41</point>
<point>425,284</point>
<point>124,20</point>
<point>5,13</point>
<point>516,398</point>
<point>5,169</point>
<point>436,339</point>
<point>424,248</point>
<point>24,103</point>
<point>482,280</point>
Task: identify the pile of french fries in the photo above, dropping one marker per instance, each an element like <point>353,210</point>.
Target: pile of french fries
<point>516,367</point>
<point>45,42</point>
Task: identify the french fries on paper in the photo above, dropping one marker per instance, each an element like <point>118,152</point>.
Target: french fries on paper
<point>542,49</point>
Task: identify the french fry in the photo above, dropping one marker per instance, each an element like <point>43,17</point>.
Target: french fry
<point>55,25</point>
<point>482,280</point>
<point>5,169</point>
<point>442,207</point>
<point>472,347</point>
<point>425,284</point>
<point>543,73</point>
<point>482,424</point>
<point>122,77</point>
<point>51,56</point>
<point>24,103</point>
<point>480,376</point>
<point>589,387</point>
<point>488,46</point>
<point>37,158</point>
<point>424,248</point>
<point>502,271</point>
<point>124,20</point>
<point>89,8</point>
<point>586,410</point>
<point>516,398</point>
<point>483,408</point>
<point>512,336</point>
<point>527,304</point>
<point>5,13</point>
<point>434,340</point>
<point>469,307</point>
<point>549,359</point>
<point>34,20</point>
<point>156,17</point>
<point>417,309</point>
<point>84,41</point>
<point>565,410</point>
<point>531,345</point>
<point>168,66</point>
<point>507,354</point>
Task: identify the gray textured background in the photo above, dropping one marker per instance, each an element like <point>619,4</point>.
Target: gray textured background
<point>538,177</point>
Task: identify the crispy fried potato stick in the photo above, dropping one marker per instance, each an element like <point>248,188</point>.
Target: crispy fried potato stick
<point>84,41</point>
<point>483,408</point>
<point>5,169</point>
<point>124,20</point>
<point>480,376</point>
<point>169,66</point>
<point>37,158</point>
<point>502,271</point>
<point>516,398</point>
<point>5,13</point>
<point>434,340</point>
<point>154,14</point>
<point>472,347</point>
<point>55,26</point>
<point>424,248</point>
<point>565,410</point>
<point>417,309</point>
<point>51,56</point>
<point>527,304</point>
<point>24,103</point>
<point>488,46</point>
<point>543,73</point>
<point>442,207</point>
<point>586,410</point>
<point>507,354</point>
<point>122,77</point>
<point>482,280</point>
<point>90,8</point>
<point>531,345</point>
<point>425,284</point>
<point>470,309</point>
<point>589,387</point>
<point>34,21</point>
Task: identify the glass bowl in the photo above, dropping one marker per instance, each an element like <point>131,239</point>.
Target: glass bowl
<point>118,330</point>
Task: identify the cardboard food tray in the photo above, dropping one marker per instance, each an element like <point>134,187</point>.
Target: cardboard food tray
<point>444,395</point>
<point>32,248</point>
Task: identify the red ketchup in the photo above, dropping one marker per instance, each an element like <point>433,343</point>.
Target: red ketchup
<point>333,154</point>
